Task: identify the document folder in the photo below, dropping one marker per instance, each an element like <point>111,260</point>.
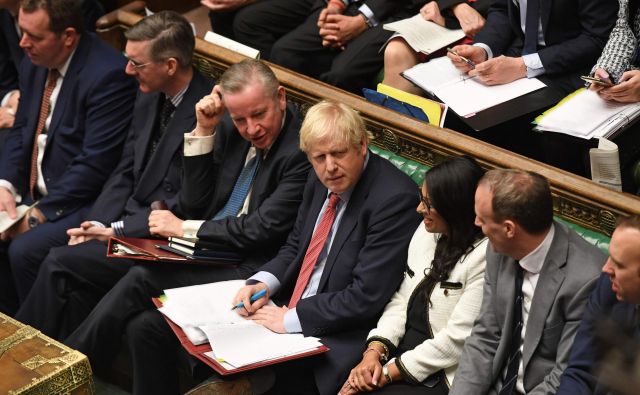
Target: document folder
<point>199,351</point>
<point>156,250</point>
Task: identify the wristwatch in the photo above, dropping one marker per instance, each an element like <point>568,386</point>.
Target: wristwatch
<point>32,221</point>
<point>368,21</point>
<point>385,373</point>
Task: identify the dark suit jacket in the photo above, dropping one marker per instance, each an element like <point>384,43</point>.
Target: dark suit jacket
<point>363,269</point>
<point>10,54</point>
<point>579,378</point>
<point>567,276</point>
<point>139,180</point>
<point>575,32</point>
<point>275,197</point>
<point>88,127</point>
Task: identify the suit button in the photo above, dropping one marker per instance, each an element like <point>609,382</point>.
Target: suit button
<point>59,212</point>
<point>168,188</point>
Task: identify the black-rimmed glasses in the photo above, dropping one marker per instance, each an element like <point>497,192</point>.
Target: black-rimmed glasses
<point>425,201</point>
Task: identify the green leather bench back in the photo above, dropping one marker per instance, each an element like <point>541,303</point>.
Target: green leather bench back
<point>416,171</point>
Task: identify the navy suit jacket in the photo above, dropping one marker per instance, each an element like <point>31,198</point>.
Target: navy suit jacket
<point>578,377</point>
<point>275,196</point>
<point>88,127</point>
<point>139,179</point>
<point>575,32</point>
<point>364,267</point>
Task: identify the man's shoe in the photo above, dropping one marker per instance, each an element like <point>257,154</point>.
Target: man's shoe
<point>216,386</point>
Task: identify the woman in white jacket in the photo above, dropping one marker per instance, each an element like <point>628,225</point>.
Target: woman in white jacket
<point>416,346</point>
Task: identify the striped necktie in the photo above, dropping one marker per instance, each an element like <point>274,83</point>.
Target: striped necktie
<point>241,188</point>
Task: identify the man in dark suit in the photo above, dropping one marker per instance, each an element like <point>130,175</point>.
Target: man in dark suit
<point>244,172</point>
<point>75,106</point>
<point>537,279</point>
<point>11,54</point>
<point>343,259</point>
<point>339,42</point>
<point>160,49</point>
<point>616,298</point>
<point>556,39</point>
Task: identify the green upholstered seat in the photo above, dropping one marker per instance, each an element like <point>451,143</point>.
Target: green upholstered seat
<point>416,171</point>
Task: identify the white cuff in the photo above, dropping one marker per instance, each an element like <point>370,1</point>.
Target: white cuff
<point>191,227</point>
<point>486,49</point>
<point>197,145</point>
<point>12,189</point>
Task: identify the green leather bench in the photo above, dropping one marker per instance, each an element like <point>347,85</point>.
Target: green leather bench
<point>416,171</point>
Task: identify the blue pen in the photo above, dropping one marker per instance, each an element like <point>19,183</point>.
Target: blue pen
<point>254,297</point>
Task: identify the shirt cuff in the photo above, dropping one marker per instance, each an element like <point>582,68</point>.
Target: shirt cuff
<point>118,227</point>
<point>12,189</point>
<point>486,49</point>
<point>6,97</point>
<point>191,227</point>
<point>534,65</point>
<point>292,322</point>
<point>273,284</point>
<point>197,145</point>
<point>366,11</point>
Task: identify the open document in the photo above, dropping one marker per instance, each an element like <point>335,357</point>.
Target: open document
<point>6,222</point>
<point>584,114</point>
<point>422,35</point>
<point>465,95</point>
<point>203,313</point>
<point>605,165</point>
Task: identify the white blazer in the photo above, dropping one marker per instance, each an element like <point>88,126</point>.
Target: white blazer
<point>454,306</point>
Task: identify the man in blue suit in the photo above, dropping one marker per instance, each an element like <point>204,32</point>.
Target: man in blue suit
<point>616,297</point>
<point>335,283</point>
<point>76,103</point>
<point>150,170</point>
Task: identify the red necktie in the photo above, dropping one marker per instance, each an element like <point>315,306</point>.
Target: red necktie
<point>318,240</point>
<point>45,106</point>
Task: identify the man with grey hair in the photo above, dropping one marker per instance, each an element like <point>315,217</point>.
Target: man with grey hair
<point>75,106</point>
<point>243,179</point>
<point>159,49</point>
<point>538,276</point>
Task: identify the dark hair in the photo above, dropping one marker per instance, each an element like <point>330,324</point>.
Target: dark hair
<point>62,13</point>
<point>522,196</point>
<point>452,186</point>
<point>170,35</point>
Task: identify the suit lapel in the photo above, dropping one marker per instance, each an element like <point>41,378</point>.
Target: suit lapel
<point>545,13</point>
<point>551,278</point>
<point>506,295</point>
<point>146,131</point>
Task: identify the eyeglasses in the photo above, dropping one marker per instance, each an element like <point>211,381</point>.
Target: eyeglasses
<point>425,201</point>
<point>136,64</point>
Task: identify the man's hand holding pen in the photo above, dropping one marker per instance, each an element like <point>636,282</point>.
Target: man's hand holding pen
<point>256,309</point>
<point>466,57</point>
<point>244,296</point>
<point>473,61</point>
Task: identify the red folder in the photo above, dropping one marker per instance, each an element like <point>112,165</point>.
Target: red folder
<point>149,250</point>
<point>198,351</point>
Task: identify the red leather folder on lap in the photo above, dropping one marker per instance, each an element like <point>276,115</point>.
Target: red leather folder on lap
<point>199,351</point>
<point>150,250</point>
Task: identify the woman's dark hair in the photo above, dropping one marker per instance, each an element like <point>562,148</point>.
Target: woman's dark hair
<point>452,186</point>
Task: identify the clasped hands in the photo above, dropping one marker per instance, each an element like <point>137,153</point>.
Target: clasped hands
<point>269,316</point>
<point>495,71</point>
<point>336,29</point>
<point>366,376</point>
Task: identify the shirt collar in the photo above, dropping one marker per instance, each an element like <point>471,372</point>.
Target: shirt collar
<point>65,66</point>
<point>177,98</point>
<point>533,261</point>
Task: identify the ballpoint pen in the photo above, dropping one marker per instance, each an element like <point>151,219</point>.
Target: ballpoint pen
<point>467,61</point>
<point>253,298</point>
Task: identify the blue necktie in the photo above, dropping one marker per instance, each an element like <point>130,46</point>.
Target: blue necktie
<point>532,21</point>
<point>241,188</point>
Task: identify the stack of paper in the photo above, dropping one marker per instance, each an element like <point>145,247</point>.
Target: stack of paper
<point>232,45</point>
<point>422,35</point>
<point>465,95</point>
<point>584,114</point>
<point>204,314</point>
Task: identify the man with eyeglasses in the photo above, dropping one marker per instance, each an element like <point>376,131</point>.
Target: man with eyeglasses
<point>159,49</point>
<point>76,103</point>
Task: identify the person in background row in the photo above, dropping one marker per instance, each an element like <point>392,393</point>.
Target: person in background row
<point>417,342</point>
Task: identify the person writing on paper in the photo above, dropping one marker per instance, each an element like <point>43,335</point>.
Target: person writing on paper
<point>555,40</point>
<point>442,286</point>
<point>343,260</point>
<point>619,61</point>
<point>452,14</point>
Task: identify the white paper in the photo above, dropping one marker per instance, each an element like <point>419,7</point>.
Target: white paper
<point>605,165</point>
<point>587,115</point>
<point>422,35</point>
<point>232,45</point>
<point>466,96</point>
<point>6,222</point>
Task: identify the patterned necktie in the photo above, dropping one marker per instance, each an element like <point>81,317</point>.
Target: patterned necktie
<point>163,121</point>
<point>45,107</point>
<point>241,188</point>
<point>532,21</point>
<point>316,244</point>
<point>513,363</point>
